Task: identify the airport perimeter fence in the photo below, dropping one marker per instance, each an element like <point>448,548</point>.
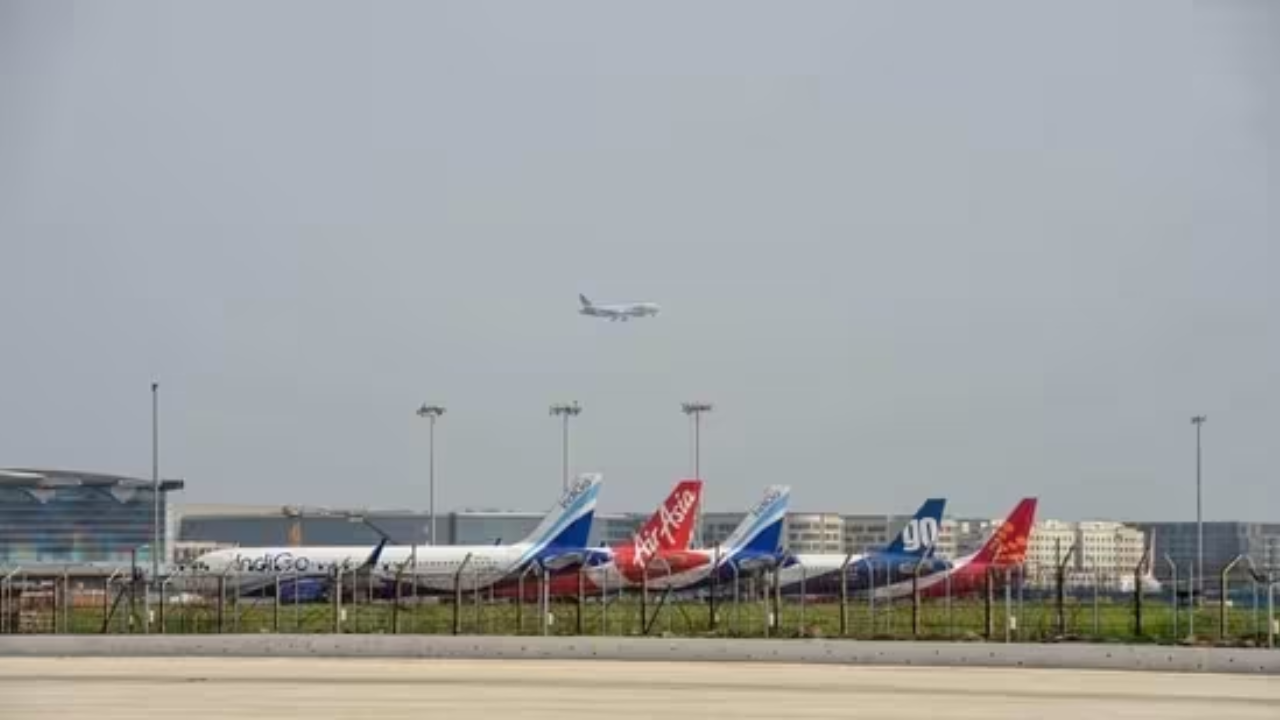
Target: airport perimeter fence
<point>1235,606</point>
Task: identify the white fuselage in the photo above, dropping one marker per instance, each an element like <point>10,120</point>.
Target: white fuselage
<point>454,566</point>
<point>622,311</point>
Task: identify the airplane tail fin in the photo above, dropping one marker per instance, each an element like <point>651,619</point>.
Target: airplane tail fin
<point>920,535</point>
<point>376,555</point>
<point>583,299</point>
<point>568,524</point>
<point>671,526</point>
<point>1008,544</point>
<point>761,529</point>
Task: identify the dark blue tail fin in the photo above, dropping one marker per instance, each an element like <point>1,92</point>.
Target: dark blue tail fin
<point>919,536</point>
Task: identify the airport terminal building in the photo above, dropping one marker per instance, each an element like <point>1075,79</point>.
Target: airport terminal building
<point>59,517</point>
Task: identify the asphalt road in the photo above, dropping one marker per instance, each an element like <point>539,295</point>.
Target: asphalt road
<point>186,688</point>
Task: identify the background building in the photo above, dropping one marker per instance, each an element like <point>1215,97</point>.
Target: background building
<point>291,526</point>
<point>1223,542</point>
<point>821,533</point>
<point>68,518</point>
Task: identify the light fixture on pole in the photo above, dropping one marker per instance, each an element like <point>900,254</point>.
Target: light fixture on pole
<point>432,413</point>
<point>1199,421</point>
<point>565,411</point>
<point>695,410</point>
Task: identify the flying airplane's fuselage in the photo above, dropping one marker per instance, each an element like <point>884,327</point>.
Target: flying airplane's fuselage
<point>618,311</point>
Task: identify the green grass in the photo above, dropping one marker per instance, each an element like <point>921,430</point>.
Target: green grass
<point>938,620</point>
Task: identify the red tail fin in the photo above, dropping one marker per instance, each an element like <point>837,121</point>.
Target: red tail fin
<point>671,527</point>
<point>1008,544</point>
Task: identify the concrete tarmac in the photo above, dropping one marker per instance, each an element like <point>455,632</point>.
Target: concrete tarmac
<point>320,688</point>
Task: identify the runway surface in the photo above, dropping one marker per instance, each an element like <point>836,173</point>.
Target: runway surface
<point>312,688</point>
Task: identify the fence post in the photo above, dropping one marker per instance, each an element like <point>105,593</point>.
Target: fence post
<point>1271,614</point>
<point>1191,601</point>
<point>871,595</point>
<point>398,599</point>
<point>1223,629</point>
<point>1008,605</point>
<point>989,625</point>
<point>582,594</point>
<point>715,588</point>
<point>222,603</point>
<point>604,601</point>
<point>844,595</point>
<point>1173,593</point>
<point>337,600</point>
<point>457,595</point>
<point>546,602</point>
<point>915,600</point>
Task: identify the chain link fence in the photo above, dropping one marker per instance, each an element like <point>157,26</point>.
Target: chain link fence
<point>1012,604</point>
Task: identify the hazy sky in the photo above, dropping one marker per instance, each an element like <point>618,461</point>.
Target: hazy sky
<point>976,250</point>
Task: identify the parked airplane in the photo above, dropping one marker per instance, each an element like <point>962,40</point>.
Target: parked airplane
<point>256,570</point>
<point>665,534</point>
<point>910,552</point>
<point>557,540</point>
<point>622,311</point>
<point>756,542</point>
<point>1005,549</point>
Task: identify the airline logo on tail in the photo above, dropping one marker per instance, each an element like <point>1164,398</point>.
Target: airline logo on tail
<point>671,527</point>
<point>584,484</point>
<point>920,535</point>
<point>1008,544</point>
<point>761,530</point>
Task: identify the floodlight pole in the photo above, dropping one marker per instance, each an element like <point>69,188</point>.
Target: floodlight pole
<point>695,410</point>
<point>432,413</point>
<point>1199,421</point>
<point>565,411</point>
<point>155,481</point>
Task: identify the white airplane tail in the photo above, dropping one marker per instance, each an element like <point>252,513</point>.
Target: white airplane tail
<point>569,522</point>
<point>586,303</point>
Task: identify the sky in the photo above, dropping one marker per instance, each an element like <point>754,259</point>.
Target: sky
<point>971,250</point>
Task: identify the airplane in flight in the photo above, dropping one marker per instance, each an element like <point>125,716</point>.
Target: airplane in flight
<point>558,540</point>
<point>618,312</point>
<point>910,552</point>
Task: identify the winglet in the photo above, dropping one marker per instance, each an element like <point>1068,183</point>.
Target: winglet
<point>372,560</point>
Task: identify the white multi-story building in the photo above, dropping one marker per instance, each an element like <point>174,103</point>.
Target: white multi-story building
<point>815,533</point>
<point>1105,553</point>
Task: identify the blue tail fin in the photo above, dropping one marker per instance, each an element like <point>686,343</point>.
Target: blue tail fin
<point>569,523</point>
<point>920,535</point>
<point>761,530</point>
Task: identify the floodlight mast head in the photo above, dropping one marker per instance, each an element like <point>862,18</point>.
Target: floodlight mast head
<point>693,408</point>
<point>568,409</point>
<point>430,411</point>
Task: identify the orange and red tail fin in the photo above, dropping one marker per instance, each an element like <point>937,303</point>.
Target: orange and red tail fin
<point>1007,546</point>
<point>671,527</point>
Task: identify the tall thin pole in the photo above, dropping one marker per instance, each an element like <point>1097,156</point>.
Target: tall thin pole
<point>565,411</point>
<point>695,410</point>
<point>1198,421</point>
<point>155,481</point>
<point>431,413</point>
<point>564,456</point>
<point>431,476</point>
